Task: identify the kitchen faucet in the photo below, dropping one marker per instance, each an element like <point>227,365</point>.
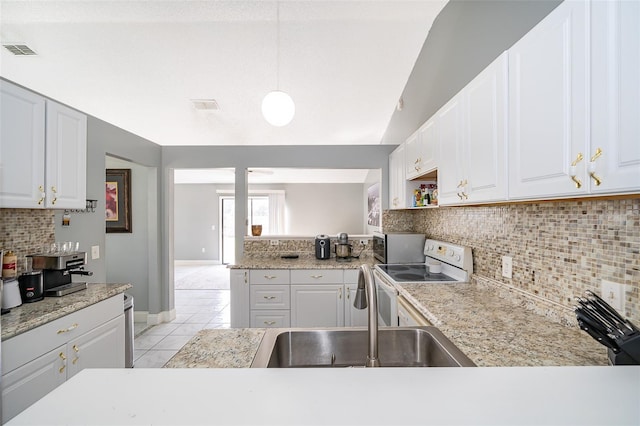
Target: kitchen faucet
<point>366,296</point>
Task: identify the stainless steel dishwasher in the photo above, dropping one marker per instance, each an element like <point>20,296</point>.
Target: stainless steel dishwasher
<point>128,331</point>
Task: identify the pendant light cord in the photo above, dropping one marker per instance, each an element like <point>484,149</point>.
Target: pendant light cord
<point>278,45</point>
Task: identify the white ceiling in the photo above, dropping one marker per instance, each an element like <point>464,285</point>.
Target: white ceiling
<point>137,64</point>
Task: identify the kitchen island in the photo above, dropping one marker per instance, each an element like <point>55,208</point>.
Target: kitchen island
<point>402,396</point>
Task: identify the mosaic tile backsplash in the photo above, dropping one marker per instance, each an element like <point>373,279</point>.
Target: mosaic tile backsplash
<point>25,231</point>
<point>559,249</point>
<point>304,247</point>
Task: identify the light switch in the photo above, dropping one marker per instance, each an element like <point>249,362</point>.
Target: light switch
<point>95,252</point>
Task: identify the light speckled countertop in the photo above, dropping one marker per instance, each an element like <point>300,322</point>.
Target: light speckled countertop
<point>219,348</point>
<point>303,262</point>
<point>495,331</point>
<point>31,315</point>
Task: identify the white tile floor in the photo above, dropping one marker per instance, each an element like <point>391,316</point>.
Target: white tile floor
<point>196,309</point>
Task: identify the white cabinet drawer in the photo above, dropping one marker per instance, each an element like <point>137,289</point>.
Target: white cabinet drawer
<point>316,276</point>
<point>269,276</point>
<point>270,297</point>
<point>270,319</point>
<point>27,346</point>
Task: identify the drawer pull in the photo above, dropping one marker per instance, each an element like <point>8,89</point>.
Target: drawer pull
<point>68,329</point>
<point>316,276</point>
<point>269,322</point>
<point>269,297</point>
<point>270,277</point>
<point>76,348</point>
<point>62,356</point>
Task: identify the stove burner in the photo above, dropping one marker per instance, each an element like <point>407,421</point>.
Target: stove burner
<point>414,273</point>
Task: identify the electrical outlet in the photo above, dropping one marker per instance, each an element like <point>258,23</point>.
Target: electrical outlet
<point>507,266</point>
<point>95,252</point>
<point>613,294</point>
<point>274,242</point>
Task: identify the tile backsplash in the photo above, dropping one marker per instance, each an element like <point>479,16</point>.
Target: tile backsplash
<point>559,249</point>
<point>25,231</point>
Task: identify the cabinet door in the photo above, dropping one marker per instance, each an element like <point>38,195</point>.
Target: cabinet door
<point>353,317</point>
<point>239,298</point>
<point>428,146</point>
<point>317,305</point>
<point>22,135</point>
<point>27,384</point>
<point>66,157</point>
<point>548,114</point>
<point>615,97</point>
<point>484,161</point>
<point>412,156</point>
<point>450,122</point>
<point>397,180</point>
<point>103,347</point>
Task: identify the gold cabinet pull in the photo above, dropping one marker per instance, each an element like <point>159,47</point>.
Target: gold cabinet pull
<point>246,280</point>
<point>76,348</point>
<point>269,322</point>
<point>61,369</point>
<point>270,277</point>
<point>573,172</point>
<point>269,297</point>
<point>417,160</point>
<point>42,195</point>
<point>592,167</point>
<point>316,276</point>
<point>68,329</point>
<point>62,356</point>
<point>55,195</point>
<point>339,293</point>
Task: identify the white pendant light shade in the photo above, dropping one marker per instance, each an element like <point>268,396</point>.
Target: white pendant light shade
<point>278,108</point>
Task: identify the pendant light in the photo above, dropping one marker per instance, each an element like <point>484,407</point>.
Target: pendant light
<point>277,106</point>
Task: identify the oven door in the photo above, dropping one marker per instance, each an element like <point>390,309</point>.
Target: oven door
<point>387,303</point>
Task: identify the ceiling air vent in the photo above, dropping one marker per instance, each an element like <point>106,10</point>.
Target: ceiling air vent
<point>19,49</point>
<point>205,104</point>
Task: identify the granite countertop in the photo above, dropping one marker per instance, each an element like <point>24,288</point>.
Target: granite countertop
<point>496,331</point>
<point>303,262</point>
<point>31,315</point>
<point>219,348</point>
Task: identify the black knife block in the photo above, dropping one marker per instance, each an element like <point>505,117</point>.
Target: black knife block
<point>629,352</point>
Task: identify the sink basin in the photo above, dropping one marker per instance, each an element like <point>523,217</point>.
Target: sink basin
<point>347,347</point>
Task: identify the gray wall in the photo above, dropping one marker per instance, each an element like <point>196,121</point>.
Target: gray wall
<point>196,210</point>
<point>465,38</point>
<point>89,228</point>
<point>126,253</point>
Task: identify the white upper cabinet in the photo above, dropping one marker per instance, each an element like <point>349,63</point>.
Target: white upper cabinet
<point>615,99</point>
<point>397,181</point>
<point>548,114</point>
<point>22,136</point>
<point>473,136</point>
<point>66,154</point>
<point>42,152</point>
<point>422,150</point>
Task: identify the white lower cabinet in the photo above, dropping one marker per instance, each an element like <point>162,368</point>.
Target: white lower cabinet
<point>320,305</point>
<point>39,360</point>
<point>353,317</point>
<point>239,298</point>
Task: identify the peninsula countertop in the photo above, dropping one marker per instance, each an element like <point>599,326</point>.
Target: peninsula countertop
<point>31,315</point>
<point>302,262</point>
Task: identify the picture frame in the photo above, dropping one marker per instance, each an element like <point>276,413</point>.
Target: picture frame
<point>373,205</point>
<point>118,201</point>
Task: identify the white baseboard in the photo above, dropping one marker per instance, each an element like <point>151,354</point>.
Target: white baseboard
<point>196,262</point>
<point>154,319</point>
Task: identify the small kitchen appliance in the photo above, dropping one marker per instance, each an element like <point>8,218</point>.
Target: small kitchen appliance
<point>11,294</point>
<point>342,248</point>
<point>31,286</point>
<point>398,247</point>
<point>57,270</point>
<point>323,247</point>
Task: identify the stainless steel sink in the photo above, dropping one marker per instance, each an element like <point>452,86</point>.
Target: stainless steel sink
<point>347,347</point>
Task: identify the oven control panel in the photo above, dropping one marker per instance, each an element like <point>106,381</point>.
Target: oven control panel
<point>452,254</point>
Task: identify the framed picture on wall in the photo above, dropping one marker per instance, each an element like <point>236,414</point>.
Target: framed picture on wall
<point>373,202</point>
<point>118,200</point>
